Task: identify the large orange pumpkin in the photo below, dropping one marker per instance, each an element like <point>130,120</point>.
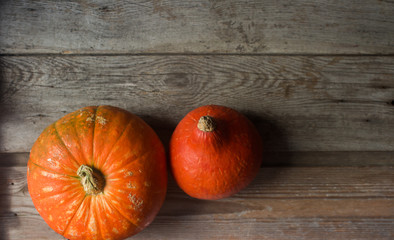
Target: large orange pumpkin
<point>214,152</point>
<point>98,173</point>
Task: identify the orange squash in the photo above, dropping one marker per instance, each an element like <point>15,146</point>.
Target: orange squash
<point>214,152</point>
<point>97,173</point>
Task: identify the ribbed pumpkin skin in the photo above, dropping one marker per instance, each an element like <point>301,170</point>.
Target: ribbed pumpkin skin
<point>118,144</point>
<point>217,164</point>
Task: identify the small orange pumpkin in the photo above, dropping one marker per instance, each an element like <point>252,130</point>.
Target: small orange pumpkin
<point>98,173</point>
<point>214,152</point>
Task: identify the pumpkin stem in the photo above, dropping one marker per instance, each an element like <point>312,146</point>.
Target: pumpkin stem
<point>206,124</point>
<point>91,180</point>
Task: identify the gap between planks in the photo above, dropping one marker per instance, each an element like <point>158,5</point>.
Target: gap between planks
<point>114,54</point>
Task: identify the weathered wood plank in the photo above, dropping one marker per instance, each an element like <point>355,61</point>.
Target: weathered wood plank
<point>285,26</point>
<point>217,226</point>
<point>298,103</point>
<point>282,203</point>
<point>284,229</point>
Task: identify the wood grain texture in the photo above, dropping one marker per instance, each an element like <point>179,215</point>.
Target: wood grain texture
<point>214,26</point>
<point>281,203</point>
<point>298,103</point>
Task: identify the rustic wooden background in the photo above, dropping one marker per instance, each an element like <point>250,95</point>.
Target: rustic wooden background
<point>316,78</point>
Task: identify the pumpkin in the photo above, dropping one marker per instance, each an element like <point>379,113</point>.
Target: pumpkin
<point>214,152</point>
<point>97,173</point>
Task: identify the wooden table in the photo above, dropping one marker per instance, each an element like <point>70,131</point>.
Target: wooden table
<point>315,77</point>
